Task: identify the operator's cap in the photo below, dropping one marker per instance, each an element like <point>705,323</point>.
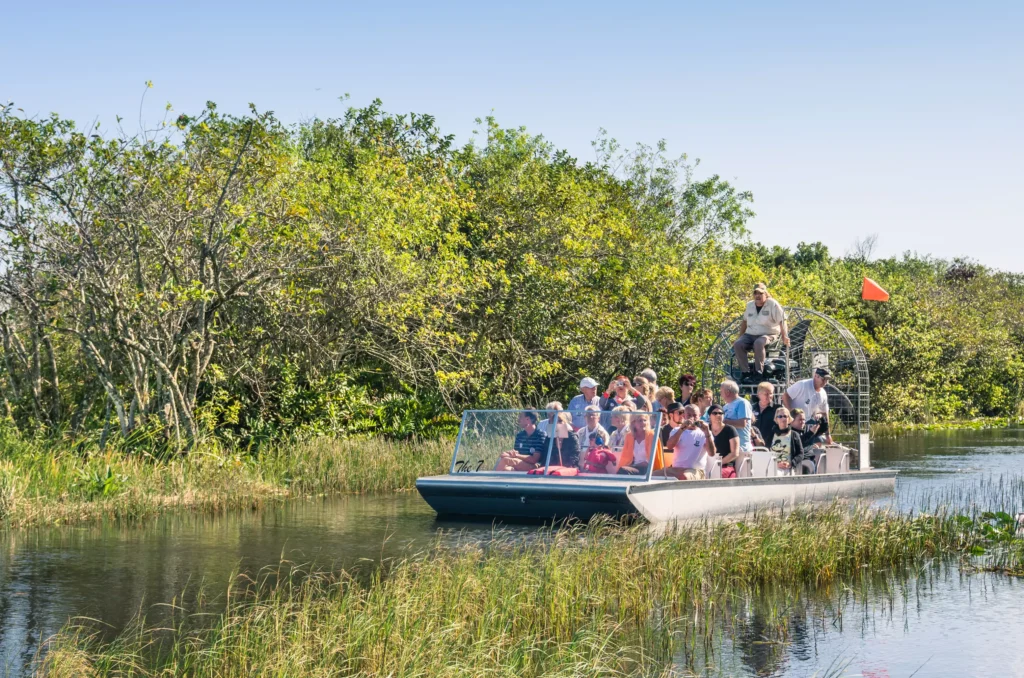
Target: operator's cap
<point>822,372</point>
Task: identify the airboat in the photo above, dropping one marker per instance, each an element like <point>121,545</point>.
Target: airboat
<point>473,488</point>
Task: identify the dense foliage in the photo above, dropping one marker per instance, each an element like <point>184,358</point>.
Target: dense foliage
<point>235,277</point>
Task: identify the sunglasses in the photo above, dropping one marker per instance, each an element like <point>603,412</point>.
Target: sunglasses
<point>782,416</point>
<point>716,414</point>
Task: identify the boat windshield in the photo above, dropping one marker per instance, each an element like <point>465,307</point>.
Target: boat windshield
<point>543,442</point>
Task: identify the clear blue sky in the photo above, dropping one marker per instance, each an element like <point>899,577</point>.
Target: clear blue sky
<point>844,119</point>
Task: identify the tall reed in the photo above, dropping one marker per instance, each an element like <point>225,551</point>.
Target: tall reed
<point>594,600</point>
<point>40,484</point>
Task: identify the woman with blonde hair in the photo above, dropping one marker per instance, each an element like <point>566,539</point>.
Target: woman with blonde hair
<point>640,445</point>
<point>663,397</point>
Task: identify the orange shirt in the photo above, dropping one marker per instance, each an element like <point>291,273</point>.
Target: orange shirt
<point>627,451</point>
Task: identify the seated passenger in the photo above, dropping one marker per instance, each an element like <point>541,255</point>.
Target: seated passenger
<point>592,434</point>
<point>703,400</point>
<point>644,394</point>
<point>763,321</point>
<point>664,397</point>
<point>620,427</point>
<point>636,450</point>
<point>764,412</point>
<point>620,392</point>
<point>566,450</point>
<point>672,418</point>
<point>727,441</point>
<point>529,448</point>
<point>597,460</point>
<point>810,433</point>
<point>552,408</point>
<point>687,383</point>
<point>693,444</point>
<point>651,376</point>
<point>587,396</point>
<point>818,427</point>
<point>789,451</point>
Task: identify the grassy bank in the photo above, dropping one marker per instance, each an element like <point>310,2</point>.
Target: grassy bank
<point>43,485</point>
<point>599,600</point>
<point>879,430</point>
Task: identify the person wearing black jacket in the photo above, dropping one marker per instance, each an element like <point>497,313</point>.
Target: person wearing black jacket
<point>566,450</point>
<point>810,431</point>
<point>764,411</point>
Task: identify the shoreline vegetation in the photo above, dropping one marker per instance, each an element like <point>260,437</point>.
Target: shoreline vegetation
<point>238,279</point>
<point>890,430</point>
<point>600,599</point>
<point>40,486</point>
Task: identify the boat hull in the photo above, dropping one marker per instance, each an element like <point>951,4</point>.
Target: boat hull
<point>697,499</point>
<point>521,498</point>
<point>659,501</point>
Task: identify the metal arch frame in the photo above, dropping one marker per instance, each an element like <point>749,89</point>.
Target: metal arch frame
<point>718,364</point>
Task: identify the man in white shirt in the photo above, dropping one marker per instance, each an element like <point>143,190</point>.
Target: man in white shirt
<point>588,396</point>
<point>764,320</point>
<point>811,396</point>
<point>693,443</point>
<point>592,433</point>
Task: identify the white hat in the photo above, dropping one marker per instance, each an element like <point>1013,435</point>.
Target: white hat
<point>587,382</point>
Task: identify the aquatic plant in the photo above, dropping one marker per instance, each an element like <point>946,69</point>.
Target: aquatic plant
<point>601,599</point>
<point>1000,543</point>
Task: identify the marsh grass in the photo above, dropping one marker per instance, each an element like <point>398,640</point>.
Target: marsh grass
<point>43,485</point>
<point>892,430</point>
<point>600,599</point>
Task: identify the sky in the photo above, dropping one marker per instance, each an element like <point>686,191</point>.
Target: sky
<point>896,119</point>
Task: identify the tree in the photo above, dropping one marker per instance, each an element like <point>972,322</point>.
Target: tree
<point>139,247</point>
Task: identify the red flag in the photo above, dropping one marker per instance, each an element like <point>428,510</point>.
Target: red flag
<point>872,291</point>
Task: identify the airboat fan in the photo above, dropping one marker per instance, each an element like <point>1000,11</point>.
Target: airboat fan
<point>816,340</point>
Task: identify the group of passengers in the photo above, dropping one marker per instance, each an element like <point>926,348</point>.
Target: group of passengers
<point>694,427</point>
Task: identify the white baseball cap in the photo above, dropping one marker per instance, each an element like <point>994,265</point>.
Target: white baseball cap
<point>587,382</point>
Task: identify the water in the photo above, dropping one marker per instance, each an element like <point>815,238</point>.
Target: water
<point>941,623</point>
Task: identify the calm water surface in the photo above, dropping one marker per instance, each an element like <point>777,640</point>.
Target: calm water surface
<point>942,624</point>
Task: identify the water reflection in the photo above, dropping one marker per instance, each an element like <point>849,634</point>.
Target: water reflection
<point>936,623</point>
<point>110,573</point>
